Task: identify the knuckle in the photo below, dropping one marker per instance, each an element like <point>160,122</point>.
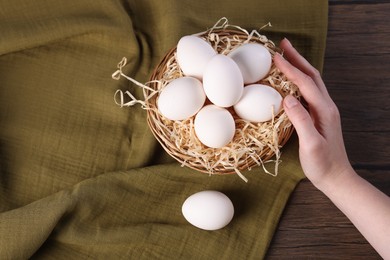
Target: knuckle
<point>301,117</point>
<point>314,73</point>
<point>313,146</point>
<point>299,114</point>
<point>333,113</point>
<point>307,80</point>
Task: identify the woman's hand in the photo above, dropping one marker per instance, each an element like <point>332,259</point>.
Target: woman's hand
<point>321,146</point>
<point>323,156</point>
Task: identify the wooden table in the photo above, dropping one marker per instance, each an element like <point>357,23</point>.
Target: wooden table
<point>357,74</point>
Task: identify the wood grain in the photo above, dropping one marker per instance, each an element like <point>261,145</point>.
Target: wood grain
<point>356,72</point>
<point>357,62</point>
<point>313,228</point>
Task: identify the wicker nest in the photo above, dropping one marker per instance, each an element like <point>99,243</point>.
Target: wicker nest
<point>254,144</point>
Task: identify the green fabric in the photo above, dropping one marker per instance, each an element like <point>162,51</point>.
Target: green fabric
<point>83,178</point>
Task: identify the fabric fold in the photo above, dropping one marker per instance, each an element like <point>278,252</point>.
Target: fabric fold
<point>81,177</point>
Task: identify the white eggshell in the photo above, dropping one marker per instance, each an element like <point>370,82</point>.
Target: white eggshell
<point>181,98</point>
<point>222,81</point>
<point>254,61</point>
<point>214,126</point>
<point>258,102</point>
<point>208,210</point>
<point>193,53</point>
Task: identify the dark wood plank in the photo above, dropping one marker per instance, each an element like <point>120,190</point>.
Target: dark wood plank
<point>359,44</point>
<point>356,73</point>
<point>366,18</point>
<point>356,64</point>
<point>368,149</point>
<point>362,107</point>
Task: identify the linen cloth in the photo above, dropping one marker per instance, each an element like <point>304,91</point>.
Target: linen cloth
<point>82,178</point>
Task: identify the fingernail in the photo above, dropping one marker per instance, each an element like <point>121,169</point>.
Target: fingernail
<point>288,41</point>
<point>290,101</point>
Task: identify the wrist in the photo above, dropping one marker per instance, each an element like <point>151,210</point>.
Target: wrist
<point>336,180</point>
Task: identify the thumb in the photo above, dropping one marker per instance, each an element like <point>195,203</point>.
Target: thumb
<point>300,118</point>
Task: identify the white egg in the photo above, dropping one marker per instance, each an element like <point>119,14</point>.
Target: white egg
<point>193,53</point>
<point>208,210</point>
<point>181,98</point>
<point>222,81</point>
<point>254,61</point>
<point>214,126</point>
<point>258,103</point>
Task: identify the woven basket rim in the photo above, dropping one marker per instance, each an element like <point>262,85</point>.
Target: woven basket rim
<point>169,146</point>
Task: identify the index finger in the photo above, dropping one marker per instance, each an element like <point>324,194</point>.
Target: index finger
<point>305,83</point>
<point>298,61</point>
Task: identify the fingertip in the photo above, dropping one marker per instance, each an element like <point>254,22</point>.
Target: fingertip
<point>291,106</point>
<point>290,102</point>
<point>286,45</point>
<point>285,42</point>
<point>299,117</point>
<point>285,67</point>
